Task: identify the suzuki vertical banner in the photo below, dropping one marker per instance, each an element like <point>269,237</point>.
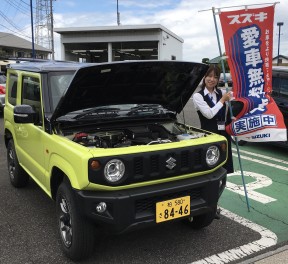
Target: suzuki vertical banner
<point>248,37</point>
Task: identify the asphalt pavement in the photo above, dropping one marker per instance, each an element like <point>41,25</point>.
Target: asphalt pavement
<point>28,232</point>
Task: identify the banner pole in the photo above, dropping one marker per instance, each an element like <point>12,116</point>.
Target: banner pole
<point>230,109</point>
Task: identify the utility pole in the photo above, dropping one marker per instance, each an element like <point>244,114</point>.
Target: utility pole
<point>32,30</point>
<point>52,30</point>
<point>44,24</point>
<point>279,24</point>
<point>118,15</point>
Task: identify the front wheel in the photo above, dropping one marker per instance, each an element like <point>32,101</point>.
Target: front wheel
<point>18,177</point>
<point>76,233</point>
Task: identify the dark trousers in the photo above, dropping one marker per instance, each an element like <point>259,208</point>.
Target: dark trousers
<point>229,164</point>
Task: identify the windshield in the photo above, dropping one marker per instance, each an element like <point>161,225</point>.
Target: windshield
<point>59,82</point>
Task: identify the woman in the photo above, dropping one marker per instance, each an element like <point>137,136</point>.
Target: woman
<point>211,108</point>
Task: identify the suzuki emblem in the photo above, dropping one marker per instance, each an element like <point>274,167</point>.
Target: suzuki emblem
<point>171,163</point>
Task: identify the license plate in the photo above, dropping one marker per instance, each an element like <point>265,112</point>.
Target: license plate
<point>172,209</point>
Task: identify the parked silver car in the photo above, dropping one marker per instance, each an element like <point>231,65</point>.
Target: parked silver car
<point>229,81</point>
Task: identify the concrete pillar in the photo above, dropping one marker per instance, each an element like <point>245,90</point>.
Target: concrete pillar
<point>109,52</point>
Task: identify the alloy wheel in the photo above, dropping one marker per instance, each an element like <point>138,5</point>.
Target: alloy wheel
<point>65,223</point>
<point>11,164</point>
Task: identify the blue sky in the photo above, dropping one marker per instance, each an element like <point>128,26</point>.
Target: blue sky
<point>182,17</point>
<point>108,6</point>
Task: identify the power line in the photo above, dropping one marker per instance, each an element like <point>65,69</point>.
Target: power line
<point>17,9</point>
<point>17,33</point>
<point>43,26</point>
<point>10,22</point>
<point>18,6</point>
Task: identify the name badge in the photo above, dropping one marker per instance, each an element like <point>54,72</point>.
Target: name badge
<point>221,125</point>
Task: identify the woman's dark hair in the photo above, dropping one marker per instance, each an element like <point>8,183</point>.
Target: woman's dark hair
<point>211,68</point>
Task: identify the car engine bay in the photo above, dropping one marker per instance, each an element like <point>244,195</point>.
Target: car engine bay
<point>148,134</point>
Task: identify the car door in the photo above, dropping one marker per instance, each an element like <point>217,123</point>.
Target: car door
<point>30,137</point>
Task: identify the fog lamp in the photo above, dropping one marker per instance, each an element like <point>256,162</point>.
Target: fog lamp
<point>220,183</point>
<point>101,207</point>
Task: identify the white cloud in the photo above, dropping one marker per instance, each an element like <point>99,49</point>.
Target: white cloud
<point>196,28</point>
<point>144,4</point>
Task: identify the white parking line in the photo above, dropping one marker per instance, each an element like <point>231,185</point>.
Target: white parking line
<point>261,156</point>
<point>268,239</point>
<point>260,181</point>
<point>262,162</point>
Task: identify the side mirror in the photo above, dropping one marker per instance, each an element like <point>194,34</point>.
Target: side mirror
<point>24,114</point>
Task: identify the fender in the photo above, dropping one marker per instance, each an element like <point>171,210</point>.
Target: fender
<point>68,169</point>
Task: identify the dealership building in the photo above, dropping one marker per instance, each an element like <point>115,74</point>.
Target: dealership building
<point>118,43</point>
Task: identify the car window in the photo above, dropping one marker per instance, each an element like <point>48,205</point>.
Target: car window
<point>280,84</point>
<point>275,85</point>
<point>58,84</point>
<point>31,94</point>
<point>284,87</point>
<point>12,89</point>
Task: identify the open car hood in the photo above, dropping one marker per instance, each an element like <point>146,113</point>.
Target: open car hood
<point>168,83</point>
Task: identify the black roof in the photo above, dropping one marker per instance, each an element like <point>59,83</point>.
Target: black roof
<point>46,65</point>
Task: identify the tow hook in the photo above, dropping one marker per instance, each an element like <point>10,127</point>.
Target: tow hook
<point>218,212</point>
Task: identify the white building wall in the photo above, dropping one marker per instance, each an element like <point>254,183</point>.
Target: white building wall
<point>284,60</point>
<point>169,44</point>
<point>170,47</point>
<point>121,36</point>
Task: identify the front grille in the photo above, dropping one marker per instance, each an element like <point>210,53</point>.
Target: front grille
<point>185,161</point>
<point>154,163</point>
<point>138,168</point>
<point>198,158</point>
<point>149,166</point>
<point>156,166</point>
<point>148,205</point>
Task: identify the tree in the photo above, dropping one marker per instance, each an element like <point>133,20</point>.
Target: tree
<point>205,60</point>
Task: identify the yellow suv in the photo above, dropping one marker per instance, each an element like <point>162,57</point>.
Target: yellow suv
<point>103,141</point>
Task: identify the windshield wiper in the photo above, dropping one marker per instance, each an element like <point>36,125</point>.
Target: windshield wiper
<point>146,109</point>
<point>99,113</point>
<point>149,109</point>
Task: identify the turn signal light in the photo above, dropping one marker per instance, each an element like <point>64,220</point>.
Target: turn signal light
<point>224,147</point>
<point>95,165</point>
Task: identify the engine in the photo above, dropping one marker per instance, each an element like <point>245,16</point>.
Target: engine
<point>131,136</point>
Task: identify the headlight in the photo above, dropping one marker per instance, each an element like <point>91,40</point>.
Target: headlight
<point>114,170</point>
<point>212,155</point>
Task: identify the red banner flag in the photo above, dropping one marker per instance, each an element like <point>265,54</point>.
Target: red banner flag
<point>248,37</point>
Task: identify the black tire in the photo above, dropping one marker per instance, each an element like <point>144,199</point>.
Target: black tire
<point>76,233</point>
<point>18,177</point>
<point>201,221</point>
<point>240,142</point>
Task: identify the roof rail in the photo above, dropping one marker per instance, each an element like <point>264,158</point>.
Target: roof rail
<point>27,59</point>
<point>37,60</point>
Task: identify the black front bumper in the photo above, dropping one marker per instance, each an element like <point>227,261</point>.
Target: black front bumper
<point>134,208</point>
